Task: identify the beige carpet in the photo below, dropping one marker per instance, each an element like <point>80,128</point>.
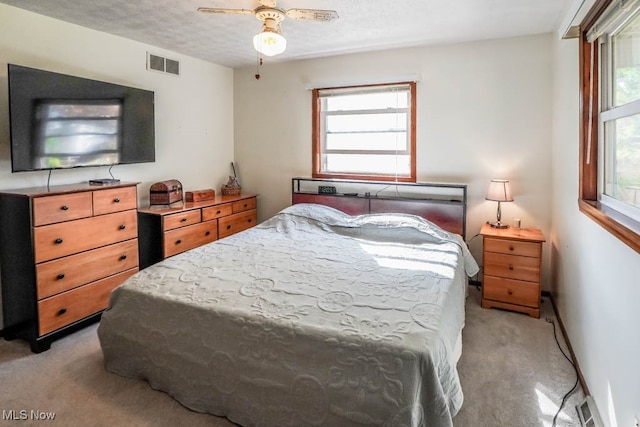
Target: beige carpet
<point>511,371</point>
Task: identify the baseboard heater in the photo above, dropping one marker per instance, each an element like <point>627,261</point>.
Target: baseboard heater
<point>588,413</point>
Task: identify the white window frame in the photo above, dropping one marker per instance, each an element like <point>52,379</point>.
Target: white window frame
<point>319,132</point>
<point>608,27</point>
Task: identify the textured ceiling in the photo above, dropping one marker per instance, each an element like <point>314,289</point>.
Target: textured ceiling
<point>364,25</point>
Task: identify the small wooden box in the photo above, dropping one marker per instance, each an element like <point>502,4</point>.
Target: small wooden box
<point>165,192</point>
<point>200,195</point>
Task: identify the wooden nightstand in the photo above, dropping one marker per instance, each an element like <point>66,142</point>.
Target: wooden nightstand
<point>511,278</point>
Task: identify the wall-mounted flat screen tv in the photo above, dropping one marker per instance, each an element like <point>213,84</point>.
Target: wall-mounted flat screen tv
<point>59,121</point>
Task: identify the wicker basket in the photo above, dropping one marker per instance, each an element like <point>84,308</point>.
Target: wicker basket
<point>231,191</point>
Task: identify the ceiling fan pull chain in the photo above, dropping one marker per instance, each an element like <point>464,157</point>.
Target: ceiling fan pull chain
<point>258,64</point>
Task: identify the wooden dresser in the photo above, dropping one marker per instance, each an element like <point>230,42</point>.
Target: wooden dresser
<point>169,230</point>
<point>511,278</point>
<point>62,251</point>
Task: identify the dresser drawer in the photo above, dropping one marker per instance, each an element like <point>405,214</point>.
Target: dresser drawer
<point>114,200</point>
<point>185,238</point>
<point>512,247</point>
<point>181,219</point>
<point>512,266</point>
<point>214,212</point>
<point>63,274</point>
<point>58,240</point>
<point>237,222</point>
<point>65,308</point>
<point>244,205</point>
<point>64,207</point>
<point>511,291</point>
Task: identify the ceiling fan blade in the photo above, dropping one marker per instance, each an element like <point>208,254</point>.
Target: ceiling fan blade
<point>312,14</point>
<point>226,11</point>
<point>268,3</point>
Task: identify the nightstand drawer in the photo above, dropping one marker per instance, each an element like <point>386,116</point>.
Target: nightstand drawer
<point>512,247</point>
<point>511,291</point>
<point>185,238</point>
<point>512,267</point>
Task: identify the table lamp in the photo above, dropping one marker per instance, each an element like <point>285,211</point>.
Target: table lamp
<point>499,191</point>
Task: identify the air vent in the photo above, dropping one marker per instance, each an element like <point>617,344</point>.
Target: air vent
<point>588,413</point>
<point>172,67</point>
<point>164,65</point>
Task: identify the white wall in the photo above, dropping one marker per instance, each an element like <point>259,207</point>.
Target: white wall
<point>193,112</point>
<point>596,277</point>
<point>483,112</point>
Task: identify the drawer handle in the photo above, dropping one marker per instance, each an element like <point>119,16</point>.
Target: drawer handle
<point>123,257</point>
<point>64,207</point>
<point>60,276</point>
<point>178,241</point>
<point>511,267</point>
<point>184,220</point>
<point>218,213</point>
<point>228,227</point>
<point>511,248</point>
<point>245,205</point>
<point>122,226</point>
<point>116,200</point>
<point>249,220</point>
<point>510,292</point>
<point>207,233</point>
<point>58,240</point>
<point>62,311</point>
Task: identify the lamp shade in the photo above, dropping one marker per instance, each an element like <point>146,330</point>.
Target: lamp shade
<point>269,42</point>
<point>499,191</point>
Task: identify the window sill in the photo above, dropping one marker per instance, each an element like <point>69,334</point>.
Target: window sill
<point>621,226</point>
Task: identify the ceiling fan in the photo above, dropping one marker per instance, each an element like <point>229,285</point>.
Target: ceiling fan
<point>270,41</point>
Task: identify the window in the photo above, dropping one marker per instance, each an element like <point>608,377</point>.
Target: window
<point>365,132</point>
<point>610,137</point>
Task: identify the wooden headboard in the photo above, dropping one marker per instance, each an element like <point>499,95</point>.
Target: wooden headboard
<point>443,204</point>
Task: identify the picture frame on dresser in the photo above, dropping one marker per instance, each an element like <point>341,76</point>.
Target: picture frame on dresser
<point>63,249</point>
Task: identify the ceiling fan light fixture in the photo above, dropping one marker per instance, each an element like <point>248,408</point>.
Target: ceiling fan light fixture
<point>269,42</point>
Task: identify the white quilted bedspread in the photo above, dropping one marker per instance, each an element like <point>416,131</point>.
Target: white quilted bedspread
<point>312,318</point>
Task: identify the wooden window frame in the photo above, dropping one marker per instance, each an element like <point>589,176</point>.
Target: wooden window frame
<point>621,226</point>
<point>317,138</point>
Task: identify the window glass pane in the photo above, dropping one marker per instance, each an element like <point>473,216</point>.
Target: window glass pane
<point>367,164</point>
<point>368,101</point>
<point>365,131</point>
<point>622,159</point>
<point>370,122</point>
<point>388,141</point>
<point>626,62</point>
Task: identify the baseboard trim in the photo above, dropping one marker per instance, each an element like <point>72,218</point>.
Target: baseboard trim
<point>583,382</point>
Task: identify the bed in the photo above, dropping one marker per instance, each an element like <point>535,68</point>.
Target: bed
<point>313,317</point>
